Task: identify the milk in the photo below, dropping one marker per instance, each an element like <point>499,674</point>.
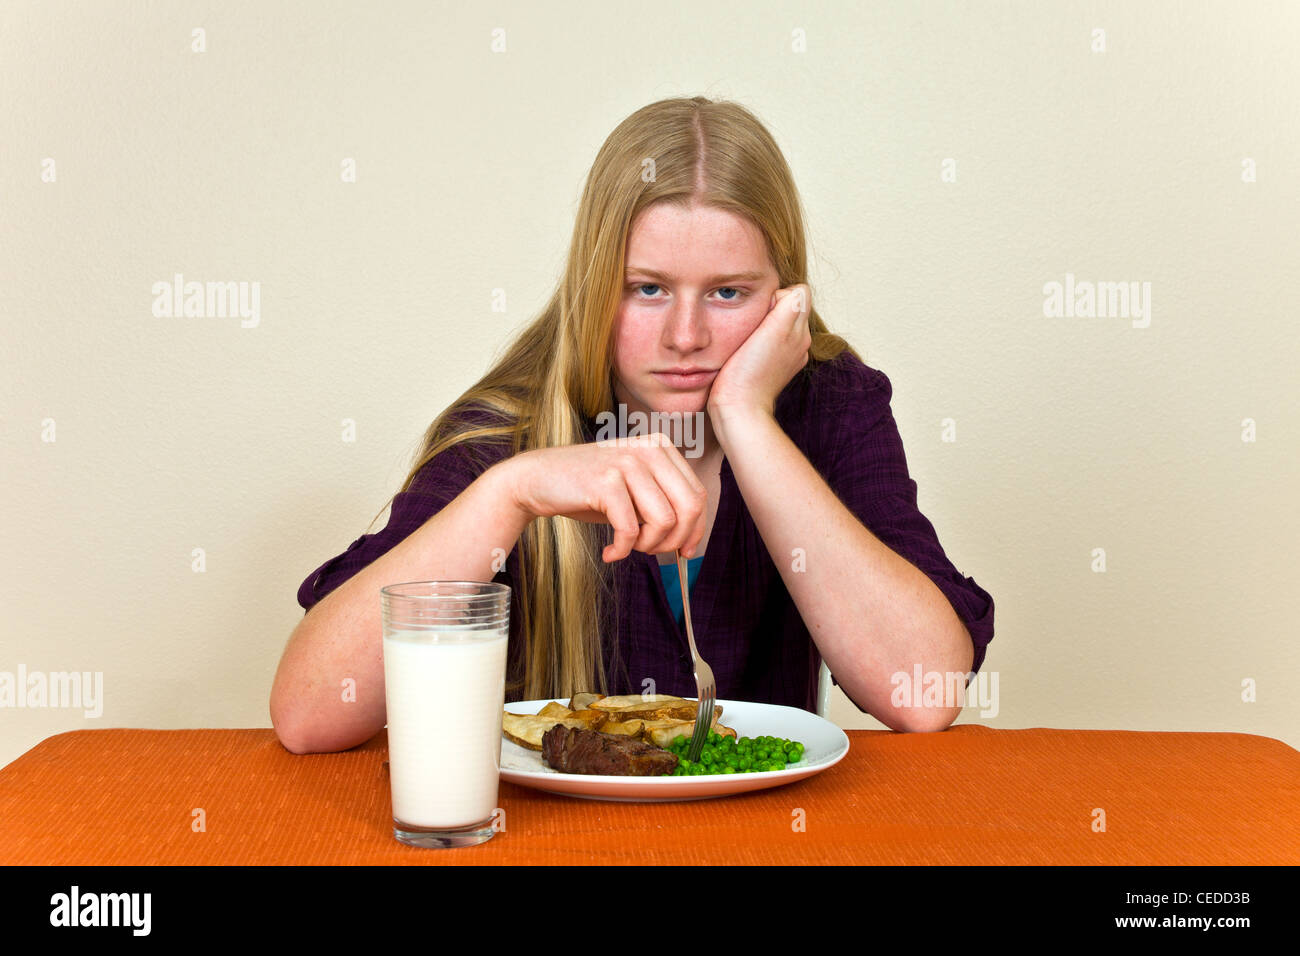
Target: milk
<point>445,691</point>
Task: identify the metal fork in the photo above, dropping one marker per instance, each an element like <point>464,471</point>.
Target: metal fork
<point>706,688</point>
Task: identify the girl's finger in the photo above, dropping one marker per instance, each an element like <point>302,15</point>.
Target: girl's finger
<point>686,494</point>
<point>675,456</point>
<point>688,497</point>
<point>616,504</point>
<point>801,300</point>
<point>651,504</point>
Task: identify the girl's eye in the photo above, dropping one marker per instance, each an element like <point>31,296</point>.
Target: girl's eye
<point>736,297</point>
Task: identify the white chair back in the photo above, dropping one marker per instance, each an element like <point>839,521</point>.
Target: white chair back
<point>824,686</point>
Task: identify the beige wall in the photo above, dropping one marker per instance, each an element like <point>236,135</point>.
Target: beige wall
<point>1072,434</point>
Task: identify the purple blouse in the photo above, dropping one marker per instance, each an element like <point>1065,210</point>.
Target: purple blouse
<point>746,624</point>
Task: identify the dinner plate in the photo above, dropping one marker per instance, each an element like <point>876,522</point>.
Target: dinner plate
<point>824,746</point>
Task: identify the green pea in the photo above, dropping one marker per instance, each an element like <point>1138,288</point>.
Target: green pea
<point>727,754</point>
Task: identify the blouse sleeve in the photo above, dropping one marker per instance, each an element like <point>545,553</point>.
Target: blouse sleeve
<point>867,469</point>
<point>437,483</point>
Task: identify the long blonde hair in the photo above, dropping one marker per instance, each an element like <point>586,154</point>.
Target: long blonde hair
<point>557,371</point>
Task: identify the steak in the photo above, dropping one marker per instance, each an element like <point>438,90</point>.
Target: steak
<point>574,750</point>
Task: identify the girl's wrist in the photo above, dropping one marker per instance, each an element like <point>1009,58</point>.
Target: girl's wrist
<point>507,480</point>
<point>731,420</point>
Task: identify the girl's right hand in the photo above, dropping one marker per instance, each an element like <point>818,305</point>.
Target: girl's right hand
<point>642,486</point>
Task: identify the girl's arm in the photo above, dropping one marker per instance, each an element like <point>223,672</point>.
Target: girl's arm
<point>342,636</point>
<point>871,612</point>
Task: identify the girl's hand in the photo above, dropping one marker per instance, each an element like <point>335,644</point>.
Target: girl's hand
<point>641,485</point>
<point>754,375</point>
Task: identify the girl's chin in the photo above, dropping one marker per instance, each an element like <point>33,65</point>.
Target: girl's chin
<point>680,400</point>
<point>668,402</point>
<point>680,408</point>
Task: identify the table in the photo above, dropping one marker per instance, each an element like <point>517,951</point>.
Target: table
<point>968,795</point>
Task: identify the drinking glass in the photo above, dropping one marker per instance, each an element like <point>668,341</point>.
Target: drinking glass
<point>444,684</point>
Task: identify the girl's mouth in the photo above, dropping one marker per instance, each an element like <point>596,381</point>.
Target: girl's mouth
<point>686,380</point>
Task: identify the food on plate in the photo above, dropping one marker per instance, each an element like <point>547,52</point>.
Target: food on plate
<point>576,750</point>
<point>582,701</point>
<point>556,709</point>
<point>654,719</point>
<point>732,755</point>
<point>637,735</point>
<point>526,729</point>
<point>650,707</point>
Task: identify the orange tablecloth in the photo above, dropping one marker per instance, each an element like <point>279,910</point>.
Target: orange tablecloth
<point>969,795</point>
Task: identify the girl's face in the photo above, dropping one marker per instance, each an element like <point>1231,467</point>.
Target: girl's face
<point>698,282</point>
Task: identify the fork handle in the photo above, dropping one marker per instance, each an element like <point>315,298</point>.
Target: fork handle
<point>686,603</point>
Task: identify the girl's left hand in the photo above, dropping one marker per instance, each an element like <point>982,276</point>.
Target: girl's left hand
<point>754,375</point>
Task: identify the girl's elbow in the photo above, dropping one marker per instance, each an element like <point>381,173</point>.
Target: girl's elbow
<point>929,720</point>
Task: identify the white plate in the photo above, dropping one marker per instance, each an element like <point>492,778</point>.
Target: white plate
<point>824,746</point>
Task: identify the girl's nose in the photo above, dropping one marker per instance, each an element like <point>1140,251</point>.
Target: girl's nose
<point>686,329</point>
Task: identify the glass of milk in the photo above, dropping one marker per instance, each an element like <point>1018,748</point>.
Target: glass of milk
<point>444,683</point>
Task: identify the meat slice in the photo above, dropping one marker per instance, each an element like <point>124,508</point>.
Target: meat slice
<point>575,750</point>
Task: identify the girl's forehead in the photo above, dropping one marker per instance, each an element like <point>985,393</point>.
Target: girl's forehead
<point>673,231</point>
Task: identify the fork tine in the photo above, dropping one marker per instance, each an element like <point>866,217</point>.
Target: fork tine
<point>703,724</point>
<point>701,730</point>
<point>708,695</point>
<point>706,689</point>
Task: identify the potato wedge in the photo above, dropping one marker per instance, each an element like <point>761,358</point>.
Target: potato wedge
<point>652,707</point>
<point>527,729</point>
<point>662,732</point>
<point>659,732</point>
<point>583,701</point>
<point>594,719</point>
<point>628,728</point>
<point>555,709</point>
<point>630,702</point>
